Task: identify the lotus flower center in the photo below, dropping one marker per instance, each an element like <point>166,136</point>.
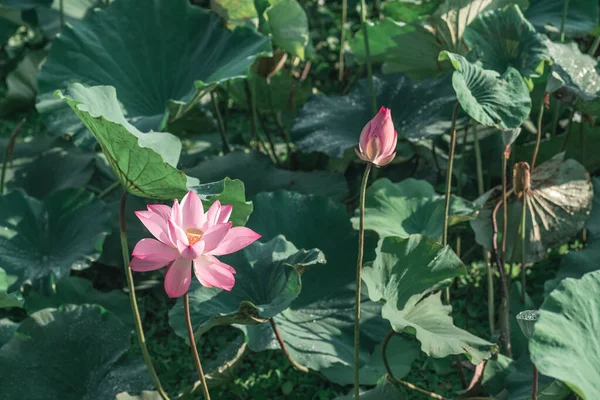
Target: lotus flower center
<point>194,235</point>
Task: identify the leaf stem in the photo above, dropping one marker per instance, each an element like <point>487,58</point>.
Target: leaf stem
<point>222,131</point>
<point>449,185</point>
<point>523,243</point>
<point>361,244</point>
<point>504,282</point>
<point>594,47</point>
<point>10,146</point>
<point>109,189</point>
<point>388,368</point>
<point>250,102</point>
<point>343,38</point>
<point>133,302</point>
<point>569,129</point>
<point>539,135</point>
<point>269,139</point>
<point>192,340</point>
<point>294,363</point>
<point>534,383</point>
<point>363,19</point>
<point>563,20</point>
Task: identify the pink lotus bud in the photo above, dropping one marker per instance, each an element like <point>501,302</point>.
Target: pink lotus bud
<point>378,139</point>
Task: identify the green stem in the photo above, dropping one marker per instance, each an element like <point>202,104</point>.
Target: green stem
<point>361,243</point>
<point>133,302</point>
<point>343,38</point>
<point>523,242</point>
<point>269,139</point>
<point>61,9</point>
<point>449,186</point>
<point>503,280</point>
<point>222,131</point>
<point>8,155</point>
<point>534,383</point>
<point>363,18</point>
<point>107,3</point>
<point>109,189</point>
<point>294,363</point>
<point>569,129</point>
<point>539,135</point>
<point>556,116</point>
<point>480,185</point>
<point>581,143</point>
<point>192,340</point>
<point>563,20</point>
<point>250,102</point>
<point>594,47</point>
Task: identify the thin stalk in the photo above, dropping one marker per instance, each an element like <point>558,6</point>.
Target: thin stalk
<point>222,131</point>
<point>61,9</point>
<point>569,129</point>
<point>107,3</point>
<point>109,190</point>
<point>480,185</point>
<point>343,38</point>
<point>563,20</point>
<point>133,302</point>
<point>361,243</point>
<point>503,281</point>
<point>523,243</point>
<point>556,116</point>
<point>539,135</point>
<point>192,340</point>
<point>280,127</point>
<point>9,150</point>
<point>534,383</point>
<point>294,363</point>
<point>269,139</point>
<point>504,210</point>
<point>581,143</point>
<point>252,109</point>
<point>594,47</point>
<point>449,186</point>
<point>363,18</point>
<point>391,374</point>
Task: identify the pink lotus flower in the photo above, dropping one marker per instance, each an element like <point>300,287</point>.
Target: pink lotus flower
<point>378,139</point>
<point>187,235</point>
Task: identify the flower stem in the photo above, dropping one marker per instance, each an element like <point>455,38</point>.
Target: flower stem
<point>363,19</point>
<point>449,185</point>
<point>133,302</point>
<point>284,348</point>
<point>192,340</point>
<point>391,374</point>
<point>563,20</point>
<point>9,150</point>
<point>504,282</point>
<point>215,103</point>
<point>361,243</point>
<point>534,384</point>
<point>342,38</point>
<point>539,135</point>
<point>523,243</point>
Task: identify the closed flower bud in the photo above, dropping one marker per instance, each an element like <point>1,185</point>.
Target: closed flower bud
<point>378,139</point>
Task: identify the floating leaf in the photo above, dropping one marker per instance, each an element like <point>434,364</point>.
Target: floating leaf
<point>8,300</point>
<point>489,98</point>
<point>259,174</point>
<point>404,274</point>
<point>37,238</point>
<point>558,204</point>
<point>75,290</point>
<point>410,206</point>
<point>133,59</point>
<point>288,25</point>
<point>503,38</point>
<point>144,163</point>
<point>582,15</point>
<point>332,124</point>
<point>267,281</point>
<point>565,344</point>
<point>52,341</point>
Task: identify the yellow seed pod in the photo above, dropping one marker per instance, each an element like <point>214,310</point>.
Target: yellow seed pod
<point>521,178</point>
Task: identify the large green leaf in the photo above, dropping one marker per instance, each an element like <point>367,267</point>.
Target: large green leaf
<point>386,391</point>
<point>7,330</point>
<point>409,10</point>
<point>46,357</point>
<point>147,66</point>
<point>558,204</point>
<point>578,263</point>
<point>75,290</point>
<point>259,174</point>
<point>582,15</point>
<point>21,84</point>
<point>236,12</point>
<point>403,276</point>
<point>503,38</point>
<point>38,238</point>
<point>8,300</point>
<point>144,163</point>
<point>288,25</point>
<point>565,343</point>
<point>267,281</point>
<point>489,98</point>
<point>332,124</point>
<point>410,206</point>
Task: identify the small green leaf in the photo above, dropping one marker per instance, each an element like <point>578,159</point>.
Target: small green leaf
<point>38,238</point>
<point>404,274</point>
<point>288,24</point>
<point>50,344</point>
<point>8,300</point>
<point>227,191</point>
<point>411,206</point>
<point>267,281</point>
<point>491,99</point>
<point>565,344</point>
